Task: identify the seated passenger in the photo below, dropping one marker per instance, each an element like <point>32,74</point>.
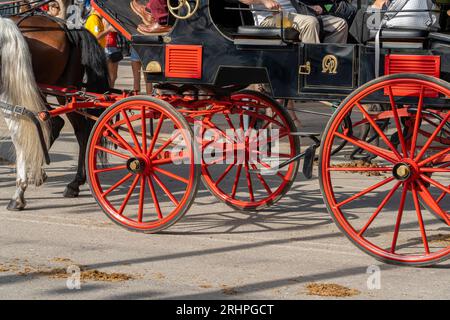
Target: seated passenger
<point>336,29</point>
<point>154,16</point>
<point>359,30</point>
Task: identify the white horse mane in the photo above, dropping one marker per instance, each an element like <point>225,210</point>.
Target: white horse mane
<point>18,87</point>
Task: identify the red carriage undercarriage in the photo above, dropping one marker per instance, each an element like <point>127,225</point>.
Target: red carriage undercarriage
<point>384,156</point>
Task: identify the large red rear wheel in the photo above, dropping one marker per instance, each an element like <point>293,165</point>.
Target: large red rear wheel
<point>150,177</point>
<point>396,208</point>
<point>254,133</point>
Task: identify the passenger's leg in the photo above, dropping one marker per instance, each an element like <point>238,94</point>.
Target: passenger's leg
<point>336,29</point>
<point>158,9</point>
<point>308,26</point>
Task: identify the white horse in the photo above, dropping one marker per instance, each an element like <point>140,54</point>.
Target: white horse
<point>18,87</point>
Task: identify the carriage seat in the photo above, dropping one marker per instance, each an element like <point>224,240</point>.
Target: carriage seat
<point>267,33</point>
<point>440,37</point>
<point>400,35</point>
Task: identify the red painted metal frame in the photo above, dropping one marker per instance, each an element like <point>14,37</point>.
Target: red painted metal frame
<point>77,100</point>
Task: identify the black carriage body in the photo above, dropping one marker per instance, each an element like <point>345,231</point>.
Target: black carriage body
<point>197,51</point>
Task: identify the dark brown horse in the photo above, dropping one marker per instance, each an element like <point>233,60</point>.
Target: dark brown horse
<point>65,58</point>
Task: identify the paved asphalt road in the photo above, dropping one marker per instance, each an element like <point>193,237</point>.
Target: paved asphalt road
<point>213,252</point>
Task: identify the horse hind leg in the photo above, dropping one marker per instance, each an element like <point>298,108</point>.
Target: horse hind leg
<point>82,128</point>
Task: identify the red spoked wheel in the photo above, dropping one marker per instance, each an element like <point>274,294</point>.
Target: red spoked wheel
<point>396,208</point>
<point>149,178</point>
<point>252,134</point>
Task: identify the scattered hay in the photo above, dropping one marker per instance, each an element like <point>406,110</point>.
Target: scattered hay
<point>440,239</point>
<point>330,290</point>
<point>229,291</point>
<point>205,286</point>
<point>360,164</point>
<point>96,275</point>
<point>61,260</point>
<point>4,268</point>
<point>159,275</point>
<point>86,274</point>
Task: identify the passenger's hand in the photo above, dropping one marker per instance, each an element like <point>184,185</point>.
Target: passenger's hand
<point>317,9</point>
<point>271,4</point>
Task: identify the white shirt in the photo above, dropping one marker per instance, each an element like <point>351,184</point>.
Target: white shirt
<point>259,16</point>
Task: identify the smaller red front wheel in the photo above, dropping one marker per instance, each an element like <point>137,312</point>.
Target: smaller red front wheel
<point>140,164</point>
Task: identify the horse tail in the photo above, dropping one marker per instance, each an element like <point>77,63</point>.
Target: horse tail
<point>93,60</point>
<point>18,87</point>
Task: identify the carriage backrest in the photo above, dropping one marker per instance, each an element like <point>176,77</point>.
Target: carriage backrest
<point>229,19</point>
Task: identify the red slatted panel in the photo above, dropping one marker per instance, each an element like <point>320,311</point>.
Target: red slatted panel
<point>183,61</point>
<point>428,65</point>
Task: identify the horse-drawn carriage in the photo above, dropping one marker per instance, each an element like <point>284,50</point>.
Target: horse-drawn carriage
<point>390,133</point>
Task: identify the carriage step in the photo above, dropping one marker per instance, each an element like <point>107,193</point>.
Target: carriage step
<point>308,162</point>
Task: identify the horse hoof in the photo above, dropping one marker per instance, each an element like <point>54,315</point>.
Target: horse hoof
<point>71,193</point>
<point>15,205</point>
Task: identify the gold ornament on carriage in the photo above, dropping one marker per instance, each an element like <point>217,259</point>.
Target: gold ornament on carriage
<point>329,64</point>
<point>190,8</point>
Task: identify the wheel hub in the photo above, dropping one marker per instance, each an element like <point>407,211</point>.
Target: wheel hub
<point>136,165</point>
<point>402,171</point>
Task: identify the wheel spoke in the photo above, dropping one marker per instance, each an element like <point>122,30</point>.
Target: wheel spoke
<point>117,184</point>
<point>97,171</point>
<point>383,153</point>
<point>236,181</point>
<point>420,219</point>
<point>115,153</point>
<point>365,191</point>
<point>263,182</point>
<point>266,165</point>
<point>220,131</point>
<point>154,197</point>
<point>378,130</point>
<point>222,176</point>
<point>249,183</point>
<point>165,189</point>
<point>399,217</point>
<point>431,139</point>
<point>435,183</point>
<point>269,121</point>
<point>121,140</point>
<point>128,195</point>
<point>131,130</point>
<point>155,135</point>
<point>397,122</point>
<point>417,123</point>
<point>144,130</point>
<point>442,196</point>
<point>351,169</point>
<point>429,200</point>
<point>171,175</point>
<point>380,207</point>
<point>141,199</point>
<point>161,148</point>
<point>230,123</point>
<point>435,157</point>
<point>434,170</point>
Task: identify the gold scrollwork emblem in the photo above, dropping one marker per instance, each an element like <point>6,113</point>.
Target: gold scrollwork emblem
<point>329,64</point>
